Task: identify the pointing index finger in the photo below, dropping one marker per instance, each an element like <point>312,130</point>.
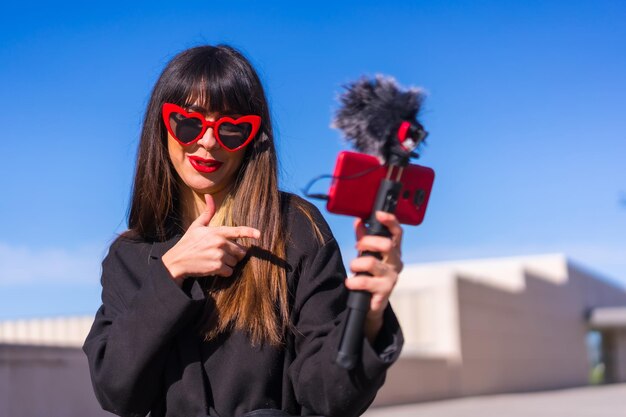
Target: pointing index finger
<point>238,231</point>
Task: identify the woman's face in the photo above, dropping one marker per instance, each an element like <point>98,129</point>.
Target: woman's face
<point>204,166</point>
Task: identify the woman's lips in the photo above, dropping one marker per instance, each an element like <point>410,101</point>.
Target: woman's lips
<point>204,165</point>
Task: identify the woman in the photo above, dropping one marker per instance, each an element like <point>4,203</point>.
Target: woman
<point>226,296</point>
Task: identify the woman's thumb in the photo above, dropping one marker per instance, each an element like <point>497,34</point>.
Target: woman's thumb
<point>205,217</point>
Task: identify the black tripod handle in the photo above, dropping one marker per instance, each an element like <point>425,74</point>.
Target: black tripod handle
<point>359,301</point>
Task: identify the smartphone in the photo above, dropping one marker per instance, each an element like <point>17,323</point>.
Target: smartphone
<point>355,182</point>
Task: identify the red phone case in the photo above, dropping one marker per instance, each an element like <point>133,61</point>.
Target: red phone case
<point>356,180</point>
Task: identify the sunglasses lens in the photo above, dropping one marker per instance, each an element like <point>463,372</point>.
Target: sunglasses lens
<point>186,129</point>
<point>233,135</point>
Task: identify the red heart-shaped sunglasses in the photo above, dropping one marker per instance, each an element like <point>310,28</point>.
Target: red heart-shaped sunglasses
<point>188,128</point>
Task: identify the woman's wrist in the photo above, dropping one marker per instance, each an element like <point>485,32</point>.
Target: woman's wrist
<point>372,328</point>
<point>172,268</point>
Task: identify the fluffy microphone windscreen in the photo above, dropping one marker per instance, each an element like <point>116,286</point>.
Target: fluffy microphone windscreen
<point>371,112</point>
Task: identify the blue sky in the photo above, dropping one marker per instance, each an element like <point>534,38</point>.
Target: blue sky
<point>525,109</point>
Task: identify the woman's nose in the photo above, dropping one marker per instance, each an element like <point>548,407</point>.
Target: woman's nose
<point>208,141</point>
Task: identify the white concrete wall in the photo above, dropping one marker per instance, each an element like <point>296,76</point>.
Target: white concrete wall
<point>55,331</point>
<point>42,381</point>
<point>491,326</point>
<point>425,302</point>
<point>415,379</point>
<point>521,341</point>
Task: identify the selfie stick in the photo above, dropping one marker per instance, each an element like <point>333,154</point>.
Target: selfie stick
<point>380,120</point>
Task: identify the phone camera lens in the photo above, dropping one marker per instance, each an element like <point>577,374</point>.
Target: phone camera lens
<point>419,197</point>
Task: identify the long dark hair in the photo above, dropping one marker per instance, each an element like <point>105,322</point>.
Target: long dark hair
<point>222,80</point>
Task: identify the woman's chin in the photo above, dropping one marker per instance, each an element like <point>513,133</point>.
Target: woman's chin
<point>205,185</point>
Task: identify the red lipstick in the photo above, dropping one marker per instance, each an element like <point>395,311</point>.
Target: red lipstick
<point>204,165</point>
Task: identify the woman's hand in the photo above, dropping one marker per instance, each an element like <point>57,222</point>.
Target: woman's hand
<point>206,250</point>
<point>384,272</point>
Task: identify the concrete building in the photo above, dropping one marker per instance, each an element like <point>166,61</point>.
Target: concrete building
<point>502,325</point>
<point>43,371</point>
<point>473,327</point>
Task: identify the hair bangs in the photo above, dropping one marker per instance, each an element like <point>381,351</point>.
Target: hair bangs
<point>225,89</point>
<point>215,87</point>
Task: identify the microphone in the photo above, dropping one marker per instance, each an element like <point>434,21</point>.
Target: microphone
<point>380,119</point>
